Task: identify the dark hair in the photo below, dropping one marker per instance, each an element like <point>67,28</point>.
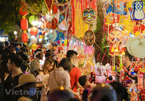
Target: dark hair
<point>110,78</point>
<point>70,53</point>
<point>103,92</point>
<point>14,58</point>
<point>49,53</point>
<point>66,64</point>
<point>120,90</point>
<point>128,55</point>
<point>83,80</point>
<point>60,95</point>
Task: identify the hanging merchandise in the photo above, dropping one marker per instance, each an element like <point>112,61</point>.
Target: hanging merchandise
<point>115,36</point>
<point>62,1</point>
<point>136,47</point>
<point>24,37</point>
<point>23,10</point>
<point>34,31</point>
<point>137,12</point>
<point>33,40</point>
<point>48,4</point>
<point>24,24</point>
<point>54,8</point>
<point>89,15</point>
<point>49,25</point>
<point>33,19</point>
<point>89,38</point>
<point>54,23</point>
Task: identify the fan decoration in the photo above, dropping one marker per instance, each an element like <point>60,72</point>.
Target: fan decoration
<point>136,47</point>
<point>89,38</point>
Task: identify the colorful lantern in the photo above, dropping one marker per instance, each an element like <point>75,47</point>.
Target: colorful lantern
<point>33,18</point>
<point>24,37</point>
<point>48,25</point>
<point>54,23</point>
<point>34,46</point>
<point>24,24</point>
<point>23,11</point>
<point>33,40</point>
<point>34,31</point>
<point>54,9</point>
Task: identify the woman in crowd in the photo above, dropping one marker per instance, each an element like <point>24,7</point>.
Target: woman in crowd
<point>60,78</point>
<point>43,76</point>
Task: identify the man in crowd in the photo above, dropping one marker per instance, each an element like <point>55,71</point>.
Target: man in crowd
<point>14,67</point>
<point>35,64</point>
<point>75,72</point>
<point>126,60</point>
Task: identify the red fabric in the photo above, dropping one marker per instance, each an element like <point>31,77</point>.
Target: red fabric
<point>74,77</point>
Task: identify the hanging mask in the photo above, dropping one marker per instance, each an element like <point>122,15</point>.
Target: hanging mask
<point>89,38</point>
<point>89,15</point>
<point>115,36</point>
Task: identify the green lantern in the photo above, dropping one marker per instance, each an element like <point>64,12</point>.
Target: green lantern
<point>33,19</point>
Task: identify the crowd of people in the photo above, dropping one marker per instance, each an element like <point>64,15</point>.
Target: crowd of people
<point>24,79</point>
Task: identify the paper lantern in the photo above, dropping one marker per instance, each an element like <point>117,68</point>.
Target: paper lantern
<point>34,31</point>
<point>48,25</point>
<point>33,18</point>
<point>54,23</point>
<point>54,9</point>
<point>23,11</point>
<point>34,46</point>
<point>33,40</point>
<point>24,24</point>
<point>24,37</point>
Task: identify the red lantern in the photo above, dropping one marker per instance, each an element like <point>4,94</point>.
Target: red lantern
<point>24,24</point>
<point>54,9</point>
<point>23,11</point>
<point>54,23</point>
<point>24,37</point>
<point>48,25</point>
<point>34,31</point>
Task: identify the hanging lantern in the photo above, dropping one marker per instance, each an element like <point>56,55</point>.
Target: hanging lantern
<point>23,11</point>
<point>33,19</point>
<point>24,24</point>
<point>34,46</point>
<point>33,40</point>
<point>54,9</point>
<point>54,23</point>
<point>48,25</point>
<point>24,37</point>
<point>34,31</point>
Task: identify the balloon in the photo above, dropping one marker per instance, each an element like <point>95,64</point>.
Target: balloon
<point>33,18</point>
<point>33,40</point>
<point>34,31</point>
<point>34,46</point>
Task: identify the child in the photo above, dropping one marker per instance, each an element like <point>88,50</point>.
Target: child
<point>84,82</point>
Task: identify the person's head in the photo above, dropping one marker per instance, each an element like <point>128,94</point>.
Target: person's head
<point>27,82</point>
<point>6,43</point>
<point>49,54</point>
<point>83,80</point>
<point>72,55</point>
<point>24,99</point>
<point>60,95</point>
<point>48,65</point>
<point>14,62</point>
<point>38,55</point>
<point>120,90</point>
<point>103,92</point>
<point>126,58</point>
<point>66,64</point>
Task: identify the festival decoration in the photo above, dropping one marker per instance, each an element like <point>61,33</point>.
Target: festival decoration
<point>33,40</point>
<point>89,38</point>
<point>115,36</point>
<point>32,19</point>
<point>62,1</point>
<point>24,24</point>
<point>89,15</point>
<point>24,37</point>
<point>135,47</point>
<point>54,23</point>
<point>54,9</point>
<point>34,31</point>
<point>23,10</point>
<point>48,25</point>
<point>48,3</point>
<point>137,13</point>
